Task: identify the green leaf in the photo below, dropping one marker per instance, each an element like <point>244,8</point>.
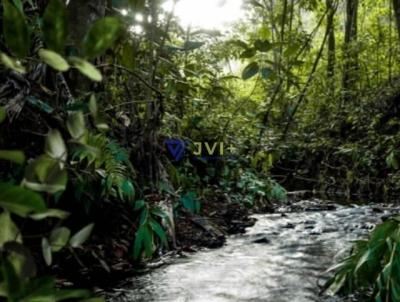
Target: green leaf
<point>20,201</point>
<point>12,63</point>
<point>144,215</point>
<point>239,43</point>
<point>80,237</point>
<point>3,114</point>
<point>143,241</point>
<point>14,156</point>
<point>250,71</point>
<point>157,228</point>
<point>50,213</point>
<point>190,202</point>
<point>127,190</point>
<point>46,251</point>
<point>9,231</point>
<point>40,290</point>
<point>162,214</point>
<point>101,36</point>
<point>15,30</point>
<point>55,146</point>
<point>102,126</point>
<point>127,55</point>
<point>93,108</point>
<point>248,53</point>
<point>76,125</point>
<point>45,174</point>
<point>35,102</point>
<point>21,258</point>
<point>55,25</point>
<point>69,294</point>
<point>139,204</point>
<point>192,45</point>
<point>12,281</point>
<point>266,72</point>
<point>54,60</point>
<point>59,238</point>
<point>263,46</point>
<point>87,69</point>
<point>18,4</point>
<point>391,161</point>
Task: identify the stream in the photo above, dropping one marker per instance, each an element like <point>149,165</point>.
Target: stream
<point>280,259</point>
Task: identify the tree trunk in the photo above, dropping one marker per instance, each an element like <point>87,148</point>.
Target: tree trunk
<point>350,69</point>
<point>396,9</point>
<point>330,27</point>
<point>82,14</point>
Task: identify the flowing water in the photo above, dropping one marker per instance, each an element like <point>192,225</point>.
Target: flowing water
<point>280,259</point>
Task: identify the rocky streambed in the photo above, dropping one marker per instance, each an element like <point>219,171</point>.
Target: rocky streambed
<point>282,258</point>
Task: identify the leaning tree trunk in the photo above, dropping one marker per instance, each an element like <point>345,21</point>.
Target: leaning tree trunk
<point>350,70</point>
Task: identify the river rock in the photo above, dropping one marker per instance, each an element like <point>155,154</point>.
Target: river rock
<point>289,226</point>
<point>261,240</point>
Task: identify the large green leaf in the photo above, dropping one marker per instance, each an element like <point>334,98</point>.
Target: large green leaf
<point>54,60</point>
<point>50,213</point>
<point>101,36</point>
<point>76,125</point>
<point>59,238</point>
<point>93,108</point>
<point>46,251</point>
<point>20,201</point>
<point>263,46</point>
<point>15,29</point>
<point>12,63</point>
<point>250,71</point>
<point>12,282</point>
<point>87,69</point>
<point>127,190</point>
<point>248,53</point>
<point>45,175</point>
<point>55,146</point>
<point>13,155</point>
<point>143,241</point>
<point>266,72</point>
<point>55,25</point>
<point>157,228</point>
<point>80,237</point>
<point>9,231</point>
<point>39,290</point>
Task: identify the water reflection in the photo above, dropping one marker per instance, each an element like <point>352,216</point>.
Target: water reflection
<point>287,268</point>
